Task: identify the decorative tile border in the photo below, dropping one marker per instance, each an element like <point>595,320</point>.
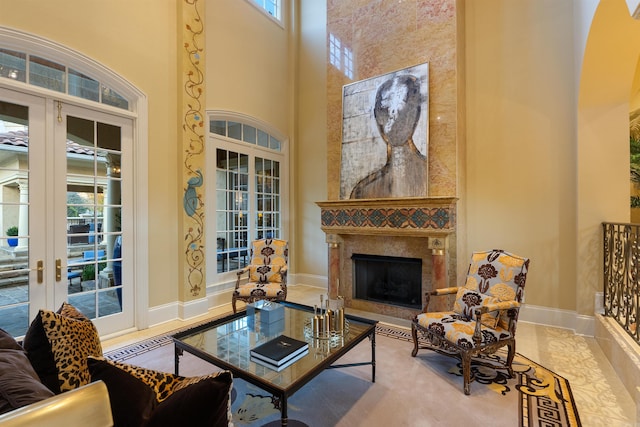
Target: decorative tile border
<point>433,218</point>
<point>380,216</point>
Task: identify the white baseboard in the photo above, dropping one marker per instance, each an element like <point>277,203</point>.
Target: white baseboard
<point>580,324</point>
<point>217,295</point>
<point>220,294</point>
<point>314,280</point>
<point>163,313</point>
<point>178,310</point>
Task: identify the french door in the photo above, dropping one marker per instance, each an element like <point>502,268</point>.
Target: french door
<point>64,171</point>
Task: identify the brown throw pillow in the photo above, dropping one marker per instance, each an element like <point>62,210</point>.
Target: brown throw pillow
<point>145,397</point>
<point>19,383</point>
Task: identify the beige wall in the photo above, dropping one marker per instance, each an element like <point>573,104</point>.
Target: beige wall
<point>521,139</point>
<point>247,63</point>
<point>607,74</point>
<point>311,152</point>
<point>138,41</point>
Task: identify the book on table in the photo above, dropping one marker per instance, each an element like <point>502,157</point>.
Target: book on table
<point>280,350</point>
<point>286,364</point>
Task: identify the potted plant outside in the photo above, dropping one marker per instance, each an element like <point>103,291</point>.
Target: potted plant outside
<point>12,231</point>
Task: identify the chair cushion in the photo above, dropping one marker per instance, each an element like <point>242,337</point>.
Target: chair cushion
<point>265,273</point>
<point>467,301</point>
<point>145,397</point>
<point>260,290</point>
<point>19,382</point>
<point>270,252</point>
<point>69,337</point>
<point>456,329</point>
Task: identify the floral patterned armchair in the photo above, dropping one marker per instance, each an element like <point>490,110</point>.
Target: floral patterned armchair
<point>484,314</point>
<point>267,273</point>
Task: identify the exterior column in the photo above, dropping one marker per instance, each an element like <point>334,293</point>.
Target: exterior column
<point>333,287</point>
<point>23,213</point>
<point>110,220</point>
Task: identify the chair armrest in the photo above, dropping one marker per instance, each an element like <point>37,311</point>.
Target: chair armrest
<point>499,306</point>
<point>444,291</point>
<point>437,293</point>
<point>240,273</point>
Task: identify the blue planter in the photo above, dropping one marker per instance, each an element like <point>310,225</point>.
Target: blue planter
<point>13,242</point>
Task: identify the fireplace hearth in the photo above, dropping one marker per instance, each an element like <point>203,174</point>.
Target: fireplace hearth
<point>388,280</point>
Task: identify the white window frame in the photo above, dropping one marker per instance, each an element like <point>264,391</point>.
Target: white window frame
<point>226,280</point>
<point>259,5</point>
<point>138,111</point>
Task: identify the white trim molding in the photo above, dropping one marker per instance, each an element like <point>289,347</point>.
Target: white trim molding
<point>566,319</point>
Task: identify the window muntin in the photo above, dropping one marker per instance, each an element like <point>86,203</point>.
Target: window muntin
<point>246,133</point>
<point>335,51</point>
<point>48,74</point>
<point>271,7</point>
<point>248,191</point>
<point>340,56</point>
<point>232,209</point>
<point>267,197</point>
<point>13,65</point>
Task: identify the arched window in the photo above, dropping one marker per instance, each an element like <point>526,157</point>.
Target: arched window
<point>247,192</point>
<point>42,72</point>
<point>77,132</point>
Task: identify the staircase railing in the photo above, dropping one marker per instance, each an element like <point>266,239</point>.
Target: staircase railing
<point>622,275</point>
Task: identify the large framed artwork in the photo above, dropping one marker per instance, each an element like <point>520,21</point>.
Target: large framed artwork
<point>385,135</point>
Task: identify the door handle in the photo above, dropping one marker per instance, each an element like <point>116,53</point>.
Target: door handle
<point>40,270</point>
<point>58,270</point>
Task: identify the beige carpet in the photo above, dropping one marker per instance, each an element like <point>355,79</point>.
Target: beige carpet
<point>421,391</point>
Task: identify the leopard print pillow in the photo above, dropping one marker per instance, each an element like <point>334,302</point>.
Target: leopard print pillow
<point>163,384</point>
<point>73,337</point>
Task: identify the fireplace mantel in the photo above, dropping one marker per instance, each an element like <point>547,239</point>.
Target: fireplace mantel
<point>397,220</point>
<point>408,216</point>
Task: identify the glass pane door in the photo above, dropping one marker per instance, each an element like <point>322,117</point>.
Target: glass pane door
<point>97,152</point>
<point>22,286</point>
<point>94,206</point>
<point>64,225</point>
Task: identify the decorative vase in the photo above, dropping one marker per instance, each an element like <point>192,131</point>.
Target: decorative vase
<point>13,242</point>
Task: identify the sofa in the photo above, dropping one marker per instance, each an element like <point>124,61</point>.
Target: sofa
<point>88,405</point>
<point>61,353</point>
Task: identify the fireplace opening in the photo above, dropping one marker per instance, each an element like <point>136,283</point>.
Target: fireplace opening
<point>388,280</point>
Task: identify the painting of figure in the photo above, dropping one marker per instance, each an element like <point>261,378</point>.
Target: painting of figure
<point>385,136</point>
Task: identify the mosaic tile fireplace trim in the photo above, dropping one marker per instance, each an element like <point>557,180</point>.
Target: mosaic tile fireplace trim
<point>406,216</point>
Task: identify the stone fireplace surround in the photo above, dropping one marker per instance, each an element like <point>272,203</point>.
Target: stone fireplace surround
<point>415,227</point>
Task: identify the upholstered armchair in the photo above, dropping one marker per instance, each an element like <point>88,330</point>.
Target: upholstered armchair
<point>484,315</point>
<point>266,273</point>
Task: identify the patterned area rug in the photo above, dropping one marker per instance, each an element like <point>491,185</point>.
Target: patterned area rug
<point>406,390</point>
<point>545,397</point>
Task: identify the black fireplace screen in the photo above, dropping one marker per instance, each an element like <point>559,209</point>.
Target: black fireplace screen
<point>388,280</point>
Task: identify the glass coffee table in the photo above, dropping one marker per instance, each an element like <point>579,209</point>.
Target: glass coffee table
<point>226,343</point>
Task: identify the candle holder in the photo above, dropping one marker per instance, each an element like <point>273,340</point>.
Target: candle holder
<point>328,321</point>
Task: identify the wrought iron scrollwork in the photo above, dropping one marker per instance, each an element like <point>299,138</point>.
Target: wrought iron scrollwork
<point>621,275</point>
